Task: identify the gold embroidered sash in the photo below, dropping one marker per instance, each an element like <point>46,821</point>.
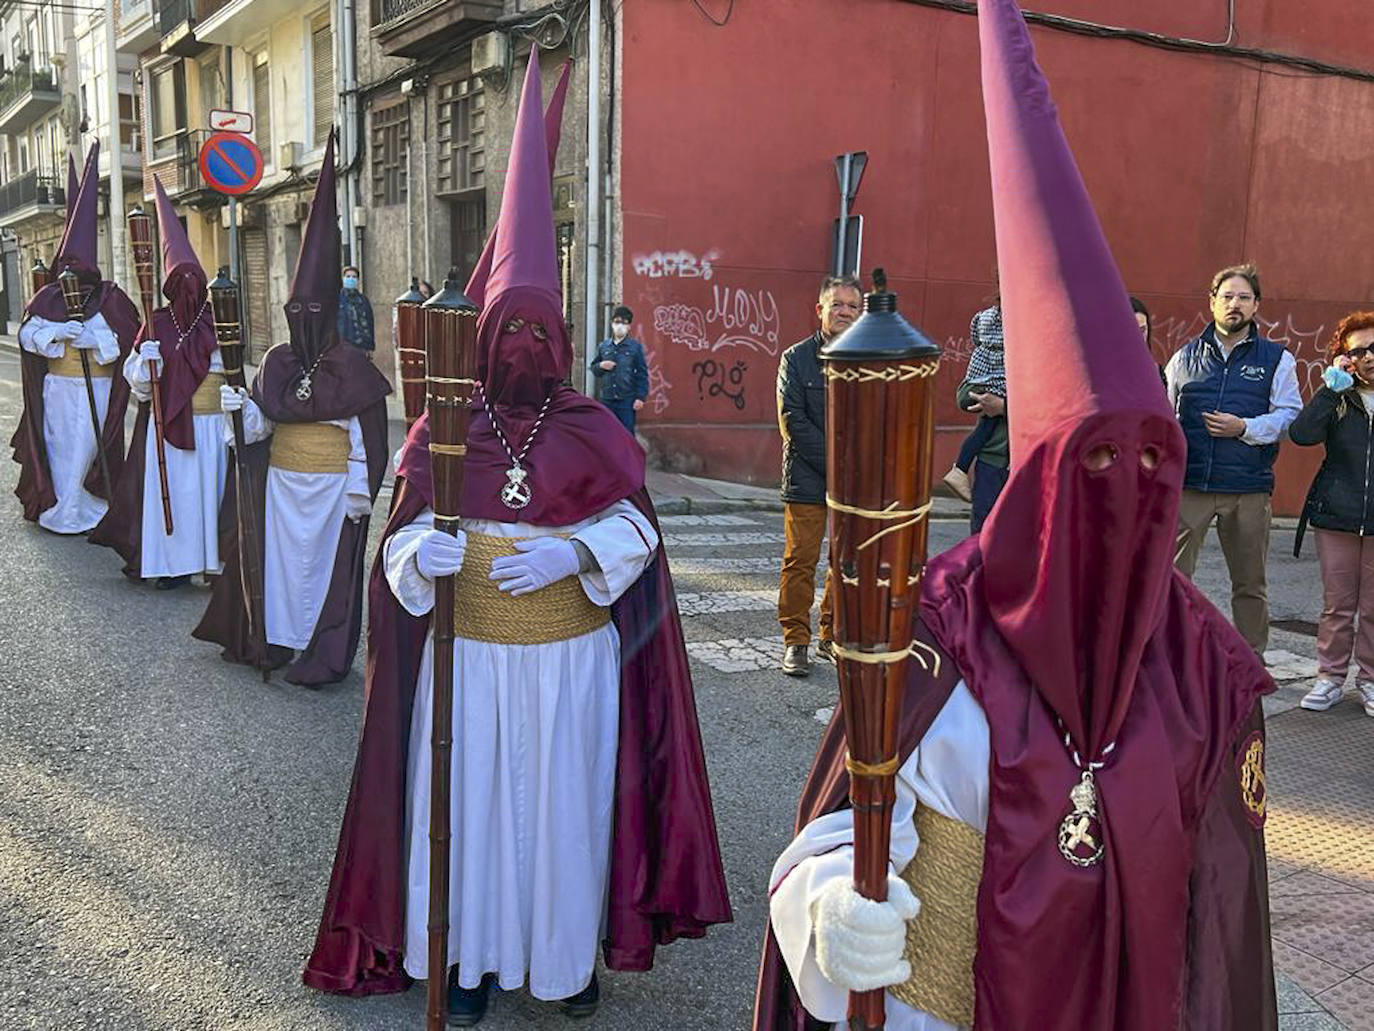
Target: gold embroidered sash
<point>70,365</point>
<point>205,401</point>
<point>941,941</point>
<point>483,612</point>
<point>310,447</point>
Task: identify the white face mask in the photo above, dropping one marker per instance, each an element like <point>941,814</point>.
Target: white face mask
<point>619,329</point>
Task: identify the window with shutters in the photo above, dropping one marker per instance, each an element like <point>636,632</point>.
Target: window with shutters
<point>462,123</point>
<point>262,106</point>
<point>390,141</point>
<point>322,77</point>
<point>211,96</point>
<point>168,98</point>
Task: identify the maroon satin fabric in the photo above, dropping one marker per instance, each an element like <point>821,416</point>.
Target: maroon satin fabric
<point>184,362</point>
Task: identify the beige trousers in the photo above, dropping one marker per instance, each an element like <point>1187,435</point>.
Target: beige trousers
<point>1242,522</point>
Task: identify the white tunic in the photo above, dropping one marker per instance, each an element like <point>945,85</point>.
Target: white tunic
<point>303,515</point>
<point>535,731</point>
<point>67,431</point>
<point>949,773</point>
<point>195,484</point>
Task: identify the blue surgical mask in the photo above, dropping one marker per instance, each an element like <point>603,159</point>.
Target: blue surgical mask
<point>350,282</point>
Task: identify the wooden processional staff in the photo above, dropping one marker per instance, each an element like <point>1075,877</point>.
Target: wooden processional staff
<point>880,378</point>
<point>141,239</point>
<point>450,333</point>
<point>76,312</point>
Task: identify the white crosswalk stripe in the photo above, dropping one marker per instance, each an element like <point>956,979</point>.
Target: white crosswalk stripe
<point>722,519</point>
<point>721,540</point>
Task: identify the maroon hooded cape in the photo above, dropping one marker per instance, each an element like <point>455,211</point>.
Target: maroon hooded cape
<point>77,252</point>
<point>345,384</point>
<point>1082,644</point>
<point>666,876</point>
<point>185,329</point>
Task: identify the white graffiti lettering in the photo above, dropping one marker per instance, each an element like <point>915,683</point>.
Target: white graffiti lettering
<point>675,264</point>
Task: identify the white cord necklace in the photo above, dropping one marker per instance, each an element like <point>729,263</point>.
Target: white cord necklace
<point>516,494</point>
<point>1081,838</point>
<point>305,388</point>
<point>182,334</point>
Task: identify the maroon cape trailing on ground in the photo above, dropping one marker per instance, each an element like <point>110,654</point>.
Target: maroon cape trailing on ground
<point>666,877</point>
<point>34,489</point>
<point>1208,964</point>
<point>346,384</point>
<point>183,369</point>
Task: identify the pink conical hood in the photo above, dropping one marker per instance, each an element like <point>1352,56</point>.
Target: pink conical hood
<point>523,253</point>
<point>78,247</point>
<point>1073,347</point>
<point>553,131</point>
<point>177,252</point>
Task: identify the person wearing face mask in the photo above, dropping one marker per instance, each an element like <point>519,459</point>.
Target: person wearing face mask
<point>581,814</point>
<point>1077,840</point>
<point>621,370</point>
<point>1340,507</point>
<point>181,345</point>
<point>355,313</point>
<point>61,486</point>
<point>315,423</point>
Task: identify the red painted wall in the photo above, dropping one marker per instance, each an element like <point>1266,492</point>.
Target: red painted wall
<point>1194,161</point>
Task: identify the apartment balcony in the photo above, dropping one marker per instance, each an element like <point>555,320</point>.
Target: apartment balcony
<point>138,26</point>
<point>418,28</point>
<point>176,162</point>
<point>235,22</point>
<point>25,96</point>
<point>177,25</point>
<point>32,196</point>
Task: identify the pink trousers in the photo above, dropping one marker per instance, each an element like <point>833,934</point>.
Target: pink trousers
<point>1347,564</point>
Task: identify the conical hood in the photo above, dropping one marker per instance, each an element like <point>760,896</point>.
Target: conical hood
<point>319,277</point>
<point>523,254</point>
<point>1078,552</point>
<point>1073,347</point>
<point>73,185</point>
<point>553,132</point>
<point>77,250</point>
<point>177,252</point>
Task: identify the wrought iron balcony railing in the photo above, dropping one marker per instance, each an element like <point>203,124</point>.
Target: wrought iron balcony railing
<point>31,190</point>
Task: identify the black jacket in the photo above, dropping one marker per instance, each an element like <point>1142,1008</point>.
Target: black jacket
<point>801,418</point>
<point>1340,497</point>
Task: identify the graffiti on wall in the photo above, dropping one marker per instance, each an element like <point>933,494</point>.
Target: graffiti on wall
<point>736,317</point>
<point>719,379</point>
<point>658,383</point>
<point>675,264</point>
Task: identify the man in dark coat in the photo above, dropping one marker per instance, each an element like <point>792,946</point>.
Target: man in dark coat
<point>621,369</point>
<point>1077,840</point>
<point>316,420</point>
<point>61,484</point>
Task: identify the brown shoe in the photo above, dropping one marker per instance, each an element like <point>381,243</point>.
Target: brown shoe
<point>794,661</point>
<point>958,483</point>
<point>825,650</point>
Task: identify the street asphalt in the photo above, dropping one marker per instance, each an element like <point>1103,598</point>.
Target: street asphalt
<point>168,821</point>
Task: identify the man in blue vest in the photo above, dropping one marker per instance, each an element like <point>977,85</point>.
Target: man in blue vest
<point>1235,393</point>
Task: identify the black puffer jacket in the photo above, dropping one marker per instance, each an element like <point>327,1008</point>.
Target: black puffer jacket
<point>801,418</point>
<point>1340,497</point>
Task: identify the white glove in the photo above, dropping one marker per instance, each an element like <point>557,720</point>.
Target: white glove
<point>859,942</point>
<point>68,330</point>
<point>231,398</point>
<point>541,561</point>
<point>356,506</point>
<point>150,351</point>
<point>440,554</point>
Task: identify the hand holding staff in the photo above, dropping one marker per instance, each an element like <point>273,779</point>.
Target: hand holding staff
<point>451,351</point>
<point>141,238</point>
<point>76,311</point>
<point>880,374</point>
<point>224,302</point>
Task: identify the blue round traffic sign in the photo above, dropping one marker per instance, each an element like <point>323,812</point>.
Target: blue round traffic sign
<point>230,163</point>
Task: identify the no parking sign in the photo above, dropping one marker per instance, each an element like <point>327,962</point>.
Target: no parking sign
<point>230,163</point>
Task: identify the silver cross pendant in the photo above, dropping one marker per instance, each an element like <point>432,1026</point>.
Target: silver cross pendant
<point>516,494</point>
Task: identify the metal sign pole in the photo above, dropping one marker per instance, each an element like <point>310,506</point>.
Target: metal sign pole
<point>842,248</point>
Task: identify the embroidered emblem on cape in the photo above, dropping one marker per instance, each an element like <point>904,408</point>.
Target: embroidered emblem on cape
<point>1080,833</point>
<point>1253,790</point>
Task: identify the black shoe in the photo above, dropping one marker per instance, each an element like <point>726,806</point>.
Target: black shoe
<point>171,583</point>
<point>466,1006</point>
<point>584,1003</point>
<point>794,660</point>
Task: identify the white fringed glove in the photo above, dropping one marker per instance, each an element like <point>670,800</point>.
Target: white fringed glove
<point>69,330</point>
<point>231,398</point>
<point>440,554</point>
<point>859,942</point>
<point>150,351</point>
<point>541,561</point>
<point>356,506</point>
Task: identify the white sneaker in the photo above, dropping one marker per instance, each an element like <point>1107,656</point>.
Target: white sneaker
<point>1324,694</point>
<point>1366,689</point>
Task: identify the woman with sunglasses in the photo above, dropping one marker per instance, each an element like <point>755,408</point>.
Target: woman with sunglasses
<point>1340,507</point>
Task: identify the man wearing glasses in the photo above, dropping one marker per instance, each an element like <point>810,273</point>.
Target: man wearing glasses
<point>1235,393</point>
